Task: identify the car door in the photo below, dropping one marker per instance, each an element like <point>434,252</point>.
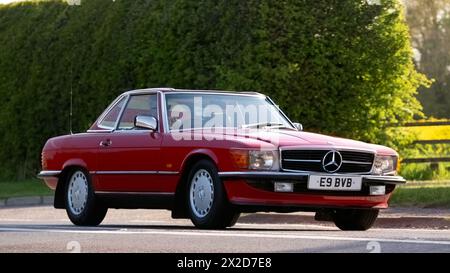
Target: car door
<point>128,157</point>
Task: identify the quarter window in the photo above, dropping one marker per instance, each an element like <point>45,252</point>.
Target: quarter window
<point>139,105</point>
<point>109,121</point>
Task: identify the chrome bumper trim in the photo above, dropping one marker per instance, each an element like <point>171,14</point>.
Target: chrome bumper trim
<point>134,172</point>
<point>44,174</point>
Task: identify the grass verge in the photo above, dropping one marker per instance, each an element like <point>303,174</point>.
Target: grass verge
<point>31,187</point>
<point>430,195</point>
<point>425,171</point>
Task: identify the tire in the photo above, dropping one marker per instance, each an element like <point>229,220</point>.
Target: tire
<point>355,219</point>
<point>81,205</point>
<point>207,202</point>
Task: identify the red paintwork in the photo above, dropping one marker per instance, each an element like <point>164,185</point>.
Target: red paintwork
<point>146,151</point>
<point>241,193</point>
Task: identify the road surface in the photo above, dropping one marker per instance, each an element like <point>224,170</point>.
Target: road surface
<point>44,229</point>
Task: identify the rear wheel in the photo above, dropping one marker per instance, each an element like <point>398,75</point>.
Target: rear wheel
<point>207,201</point>
<point>355,219</point>
<point>81,205</point>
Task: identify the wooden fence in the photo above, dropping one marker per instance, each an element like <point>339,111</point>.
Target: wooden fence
<point>433,160</point>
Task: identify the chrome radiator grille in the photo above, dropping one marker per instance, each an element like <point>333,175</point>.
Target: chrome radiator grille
<point>313,160</point>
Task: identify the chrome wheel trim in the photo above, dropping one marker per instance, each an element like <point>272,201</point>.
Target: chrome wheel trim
<point>201,193</point>
<point>77,193</point>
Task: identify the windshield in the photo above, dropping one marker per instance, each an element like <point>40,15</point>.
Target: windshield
<point>203,110</point>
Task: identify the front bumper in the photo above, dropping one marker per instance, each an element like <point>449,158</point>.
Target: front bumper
<point>285,176</point>
<point>48,174</point>
<point>50,178</point>
<point>245,189</point>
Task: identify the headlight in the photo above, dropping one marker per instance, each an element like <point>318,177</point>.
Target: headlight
<point>262,160</point>
<point>384,165</point>
<point>256,160</point>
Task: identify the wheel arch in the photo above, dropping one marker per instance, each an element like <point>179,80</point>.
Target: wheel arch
<point>180,210</point>
<point>68,168</point>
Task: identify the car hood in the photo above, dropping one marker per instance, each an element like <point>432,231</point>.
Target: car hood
<point>286,138</point>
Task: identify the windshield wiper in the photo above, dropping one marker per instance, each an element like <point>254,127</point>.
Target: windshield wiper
<point>271,125</point>
<point>284,127</point>
<point>263,124</point>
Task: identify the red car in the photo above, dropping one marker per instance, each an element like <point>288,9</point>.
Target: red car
<point>210,155</point>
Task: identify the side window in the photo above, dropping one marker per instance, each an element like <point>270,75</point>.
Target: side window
<point>139,105</point>
<point>109,121</point>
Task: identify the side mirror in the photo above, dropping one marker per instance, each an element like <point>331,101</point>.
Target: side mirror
<point>298,126</point>
<point>146,122</point>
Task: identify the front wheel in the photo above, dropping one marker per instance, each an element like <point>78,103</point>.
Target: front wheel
<point>355,219</point>
<point>81,205</point>
<point>207,201</point>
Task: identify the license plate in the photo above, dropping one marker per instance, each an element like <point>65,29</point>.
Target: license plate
<point>334,183</point>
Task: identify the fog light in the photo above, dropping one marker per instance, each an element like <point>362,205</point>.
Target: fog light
<point>283,187</point>
<point>377,190</point>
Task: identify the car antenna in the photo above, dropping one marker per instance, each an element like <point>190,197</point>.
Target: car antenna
<point>71,101</point>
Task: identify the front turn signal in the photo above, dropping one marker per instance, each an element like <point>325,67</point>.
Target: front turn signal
<point>240,158</point>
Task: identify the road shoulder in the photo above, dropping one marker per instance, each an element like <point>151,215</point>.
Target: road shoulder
<point>394,217</point>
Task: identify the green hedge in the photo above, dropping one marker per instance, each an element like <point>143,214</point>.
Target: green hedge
<point>341,67</point>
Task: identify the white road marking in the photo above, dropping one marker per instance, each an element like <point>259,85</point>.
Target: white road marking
<point>32,220</point>
<point>331,227</point>
<point>171,222</point>
<point>228,234</point>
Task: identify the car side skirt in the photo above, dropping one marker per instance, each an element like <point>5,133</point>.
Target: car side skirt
<point>136,200</point>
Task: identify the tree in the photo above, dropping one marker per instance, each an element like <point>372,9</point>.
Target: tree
<point>429,23</point>
<point>341,67</point>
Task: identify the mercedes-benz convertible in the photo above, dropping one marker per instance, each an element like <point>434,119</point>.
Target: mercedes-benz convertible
<point>211,155</point>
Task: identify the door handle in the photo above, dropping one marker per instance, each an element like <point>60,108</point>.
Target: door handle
<point>105,143</point>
